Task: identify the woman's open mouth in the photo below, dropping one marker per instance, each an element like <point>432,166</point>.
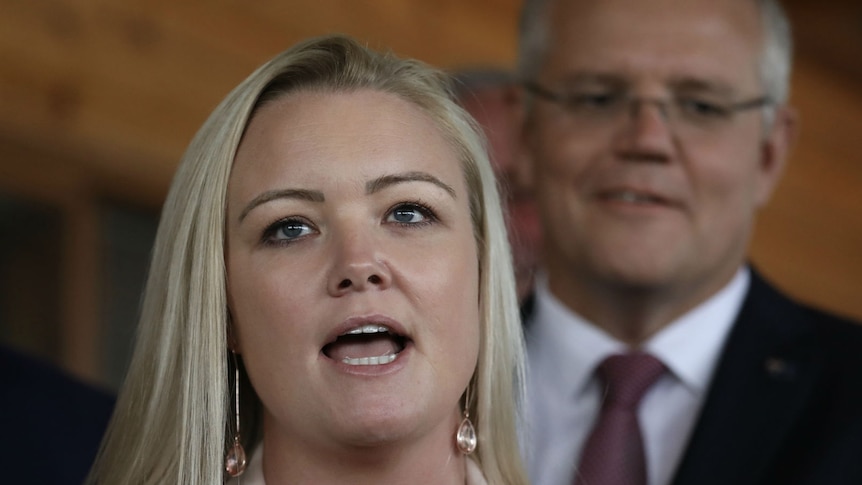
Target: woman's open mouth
<point>370,344</point>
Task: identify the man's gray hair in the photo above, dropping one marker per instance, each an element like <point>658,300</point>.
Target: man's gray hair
<point>775,59</point>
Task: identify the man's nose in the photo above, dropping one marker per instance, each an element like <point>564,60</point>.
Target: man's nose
<point>648,133</point>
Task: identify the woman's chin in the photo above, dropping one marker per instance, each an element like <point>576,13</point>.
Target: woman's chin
<point>381,427</point>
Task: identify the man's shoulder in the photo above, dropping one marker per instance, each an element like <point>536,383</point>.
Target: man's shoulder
<point>835,340</point>
<point>787,391</point>
<point>764,298</point>
<point>834,326</point>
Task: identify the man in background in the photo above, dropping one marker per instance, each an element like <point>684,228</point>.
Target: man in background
<point>490,96</point>
<point>654,131</point>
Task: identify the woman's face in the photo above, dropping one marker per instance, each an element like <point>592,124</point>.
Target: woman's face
<point>352,270</point>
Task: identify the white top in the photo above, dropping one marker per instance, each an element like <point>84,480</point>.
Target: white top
<point>254,473</point>
<point>563,394</point>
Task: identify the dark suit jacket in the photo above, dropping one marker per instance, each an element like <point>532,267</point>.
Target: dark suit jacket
<point>51,424</point>
<point>785,404</point>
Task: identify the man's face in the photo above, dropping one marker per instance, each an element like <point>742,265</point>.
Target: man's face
<point>644,202</point>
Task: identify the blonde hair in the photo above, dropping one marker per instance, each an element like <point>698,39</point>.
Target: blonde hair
<point>171,420</point>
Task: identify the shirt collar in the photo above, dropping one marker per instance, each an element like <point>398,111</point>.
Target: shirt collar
<point>690,346</point>
<point>571,347</point>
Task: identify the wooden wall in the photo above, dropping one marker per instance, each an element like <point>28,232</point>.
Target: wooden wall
<point>126,84</point>
<point>809,239</point>
<point>98,99</point>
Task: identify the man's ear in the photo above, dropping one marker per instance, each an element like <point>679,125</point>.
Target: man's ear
<point>776,150</point>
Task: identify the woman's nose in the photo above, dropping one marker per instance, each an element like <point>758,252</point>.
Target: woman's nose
<point>358,265</point>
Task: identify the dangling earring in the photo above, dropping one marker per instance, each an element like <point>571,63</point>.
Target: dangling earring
<point>235,461</point>
<point>465,438</point>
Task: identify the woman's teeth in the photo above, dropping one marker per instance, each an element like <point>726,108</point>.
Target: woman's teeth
<point>382,360</point>
<point>367,329</point>
<point>370,344</point>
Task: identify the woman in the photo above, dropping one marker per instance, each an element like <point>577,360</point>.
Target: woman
<point>331,291</point>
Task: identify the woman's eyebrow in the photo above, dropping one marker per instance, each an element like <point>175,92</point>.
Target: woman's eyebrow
<point>302,194</point>
<point>381,183</point>
<point>371,187</point>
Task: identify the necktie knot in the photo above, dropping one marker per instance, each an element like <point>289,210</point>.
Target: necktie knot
<point>627,377</point>
<point>613,453</point>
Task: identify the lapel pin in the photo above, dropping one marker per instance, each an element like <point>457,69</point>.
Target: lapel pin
<point>779,368</point>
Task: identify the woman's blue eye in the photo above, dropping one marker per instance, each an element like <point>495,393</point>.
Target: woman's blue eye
<point>293,230</point>
<point>287,230</point>
<point>409,214</point>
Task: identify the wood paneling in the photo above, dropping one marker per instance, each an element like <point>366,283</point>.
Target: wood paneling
<point>809,238</point>
<point>98,98</point>
<point>830,32</point>
<point>128,83</point>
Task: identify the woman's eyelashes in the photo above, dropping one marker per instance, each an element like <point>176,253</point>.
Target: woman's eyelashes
<point>287,230</point>
<point>411,214</point>
<point>292,228</point>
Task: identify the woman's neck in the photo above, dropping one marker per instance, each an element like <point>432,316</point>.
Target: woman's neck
<point>432,459</point>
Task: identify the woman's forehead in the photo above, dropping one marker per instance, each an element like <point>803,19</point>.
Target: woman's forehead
<point>323,137</point>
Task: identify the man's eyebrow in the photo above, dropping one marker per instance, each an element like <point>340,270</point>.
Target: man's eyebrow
<point>381,183</point>
<point>302,194</point>
<point>693,85</point>
<point>593,77</point>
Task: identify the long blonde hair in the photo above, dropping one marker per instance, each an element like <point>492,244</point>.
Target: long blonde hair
<point>171,420</point>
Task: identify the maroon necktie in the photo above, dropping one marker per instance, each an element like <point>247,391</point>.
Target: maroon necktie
<point>613,453</point>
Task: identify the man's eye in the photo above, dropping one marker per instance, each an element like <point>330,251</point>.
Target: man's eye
<point>593,100</point>
<point>410,214</point>
<point>701,108</point>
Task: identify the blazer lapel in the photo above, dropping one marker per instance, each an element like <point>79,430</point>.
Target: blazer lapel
<point>764,379</point>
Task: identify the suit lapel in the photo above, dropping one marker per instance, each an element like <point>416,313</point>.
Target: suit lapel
<point>763,381</point>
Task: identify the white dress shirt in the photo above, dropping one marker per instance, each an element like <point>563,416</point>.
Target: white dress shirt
<point>563,394</point>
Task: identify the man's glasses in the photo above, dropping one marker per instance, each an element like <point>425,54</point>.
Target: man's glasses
<point>685,114</point>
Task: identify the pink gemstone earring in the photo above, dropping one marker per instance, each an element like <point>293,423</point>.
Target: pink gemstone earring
<point>465,438</point>
<point>235,461</point>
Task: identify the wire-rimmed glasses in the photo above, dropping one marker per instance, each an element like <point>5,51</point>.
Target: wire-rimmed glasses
<point>687,115</point>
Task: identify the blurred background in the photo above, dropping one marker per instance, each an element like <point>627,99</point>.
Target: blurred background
<point>98,99</point>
